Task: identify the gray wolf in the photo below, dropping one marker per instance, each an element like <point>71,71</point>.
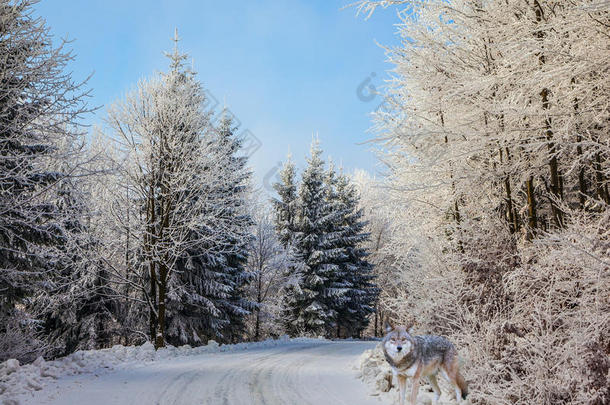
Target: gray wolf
<point>422,357</point>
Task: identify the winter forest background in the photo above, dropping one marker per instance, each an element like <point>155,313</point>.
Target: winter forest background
<point>489,226</point>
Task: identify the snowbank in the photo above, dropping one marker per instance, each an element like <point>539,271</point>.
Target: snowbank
<point>16,379</point>
<point>377,374</point>
<point>375,371</point>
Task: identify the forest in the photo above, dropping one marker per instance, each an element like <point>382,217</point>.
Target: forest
<point>489,224</point>
<point>149,230</point>
<point>495,134</point>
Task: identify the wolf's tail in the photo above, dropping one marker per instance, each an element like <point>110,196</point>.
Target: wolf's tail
<point>462,384</point>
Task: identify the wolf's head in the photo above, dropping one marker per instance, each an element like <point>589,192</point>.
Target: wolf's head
<point>398,341</point>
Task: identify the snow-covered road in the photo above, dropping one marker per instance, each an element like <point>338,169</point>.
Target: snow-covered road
<point>311,373</point>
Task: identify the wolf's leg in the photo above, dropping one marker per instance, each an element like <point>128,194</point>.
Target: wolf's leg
<point>450,372</point>
<point>435,387</point>
<point>402,384</point>
<point>415,389</point>
<point>458,394</point>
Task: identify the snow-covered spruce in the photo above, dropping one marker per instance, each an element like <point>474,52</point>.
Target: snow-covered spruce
<point>188,183</point>
<point>330,287</point>
<point>307,310</point>
<point>354,278</point>
<point>41,150</point>
<point>286,205</point>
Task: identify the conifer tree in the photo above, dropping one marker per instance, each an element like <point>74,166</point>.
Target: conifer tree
<point>287,204</point>
<point>337,286</point>
<point>356,273</point>
<point>307,309</point>
<point>39,110</point>
<point>183,175</point>
<point>209,299</point>
<point>237,217</point>
<point>76,309</point>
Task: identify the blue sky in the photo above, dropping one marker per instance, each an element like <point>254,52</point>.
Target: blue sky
<point>286,68</point>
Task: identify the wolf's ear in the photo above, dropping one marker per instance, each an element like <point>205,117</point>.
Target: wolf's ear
<point>387,326</point>
<point>411,328</point>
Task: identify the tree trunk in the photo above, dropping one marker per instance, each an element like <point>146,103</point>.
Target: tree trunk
<point>582,184</point>
<point>456,212</point>
<point>375,331</point>
<point>509,202</point>
<point>148,248</point>
<point>152,319</point>
<point>553,162</point>
<point>160,337</point>
<point>259,302</point>
<point>602,189</point>
<point>531,208</point>
<point>553,165</point>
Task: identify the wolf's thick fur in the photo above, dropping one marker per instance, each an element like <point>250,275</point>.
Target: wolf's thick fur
<point>422,357</point>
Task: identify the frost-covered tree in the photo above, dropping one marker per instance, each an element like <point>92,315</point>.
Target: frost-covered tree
<point>112,221</point>
<point>40,106</point>
<point>307,298</point>
<point>209,301</point>
<point>355,271</point>
<point>77,307</point>
<point>329,285</point>
<point>268,263</point>
<point>378,213</point>
<point>285,205</point>
<point>238,217</point>
<point>175,171</point>
<point>495,130</point>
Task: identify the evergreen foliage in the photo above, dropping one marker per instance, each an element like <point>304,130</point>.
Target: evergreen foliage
<point>286,205</point>
<point>331,284</point>
<point>356,272</point>
<point>39,110</point>
<point>209,292</point>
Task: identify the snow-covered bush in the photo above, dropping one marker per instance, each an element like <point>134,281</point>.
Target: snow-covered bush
<point>18,340</point>
<point>495,131</point>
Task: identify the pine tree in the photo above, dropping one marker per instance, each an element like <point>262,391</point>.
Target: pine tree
<point>356,273</point>
<point>181,176</point>
<point>76,308</point>
<point>307,309</point>
<point>286,205</point>
<point>209,299</point>
<point>237,218</point>
<point>337,285</point>
<point>39,109</point>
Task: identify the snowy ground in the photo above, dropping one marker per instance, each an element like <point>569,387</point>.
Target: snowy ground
<point>284,372</point>
<point>296,372</point>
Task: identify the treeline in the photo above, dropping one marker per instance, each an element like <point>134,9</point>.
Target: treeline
<point>147,229</point>
<point>495,128</point>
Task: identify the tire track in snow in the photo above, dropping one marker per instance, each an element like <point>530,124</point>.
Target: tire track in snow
<point>261,382</point>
